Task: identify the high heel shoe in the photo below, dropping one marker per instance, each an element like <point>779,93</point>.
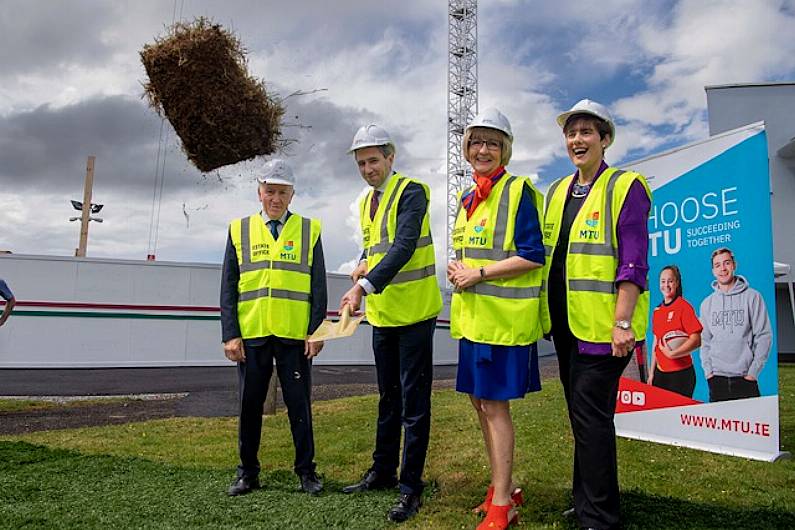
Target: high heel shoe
<point>499,517</point>
<point>516,497</point>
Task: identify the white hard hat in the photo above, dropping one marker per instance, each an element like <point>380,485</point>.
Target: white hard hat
<point>491,118</point>
<point>276,171</point>
<point>587,106</point>
<point>370,136</point>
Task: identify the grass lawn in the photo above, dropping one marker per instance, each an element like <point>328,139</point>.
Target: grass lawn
<point>174,474</point>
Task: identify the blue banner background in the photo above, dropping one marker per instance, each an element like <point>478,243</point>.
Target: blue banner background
<point>731,190</point>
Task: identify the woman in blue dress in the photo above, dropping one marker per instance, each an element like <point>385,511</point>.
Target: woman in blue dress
<point>495,306</point>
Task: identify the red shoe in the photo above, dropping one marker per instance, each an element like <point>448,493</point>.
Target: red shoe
<point>499,517</point>
<point>516,497</point>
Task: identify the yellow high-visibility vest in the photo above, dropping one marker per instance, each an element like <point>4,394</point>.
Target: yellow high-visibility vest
<point>504,311</point>
<point>592,259</point>
<point>413,294</point>
<point>275,281</point>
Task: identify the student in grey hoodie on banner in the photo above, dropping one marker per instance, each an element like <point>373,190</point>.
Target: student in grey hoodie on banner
<point>737,336</point>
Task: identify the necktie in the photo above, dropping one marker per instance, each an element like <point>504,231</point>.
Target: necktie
<point>274,226</point>
<point>374,203</point>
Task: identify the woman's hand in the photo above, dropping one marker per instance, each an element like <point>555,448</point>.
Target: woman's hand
<point>451,268</point>
<point>667,351</point>
<point>465,277</point>
<point>623,342</point>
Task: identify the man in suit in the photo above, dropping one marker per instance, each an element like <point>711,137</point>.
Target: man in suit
<point>397,275</point>
<point>273,296</point>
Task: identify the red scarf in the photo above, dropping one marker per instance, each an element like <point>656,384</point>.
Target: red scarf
<point>483,185</point>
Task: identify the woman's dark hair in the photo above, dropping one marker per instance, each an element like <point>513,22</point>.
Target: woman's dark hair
<point>677,275</point>
<point>601,125</point>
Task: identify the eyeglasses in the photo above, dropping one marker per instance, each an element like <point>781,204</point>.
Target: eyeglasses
<point>491,145</point>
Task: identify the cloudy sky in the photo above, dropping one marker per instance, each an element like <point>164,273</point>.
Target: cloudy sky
<point>70,86</point>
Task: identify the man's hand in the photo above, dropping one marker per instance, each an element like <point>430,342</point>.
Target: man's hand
<point>359,271</point>
<point>749,378</point>
<point>7,310</point>
<point>311,349</point>
<point>234,350</point>
<point>353,298</point>
<point>623,342</point>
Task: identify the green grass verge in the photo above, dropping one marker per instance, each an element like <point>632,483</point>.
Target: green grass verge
<point>174,473</point>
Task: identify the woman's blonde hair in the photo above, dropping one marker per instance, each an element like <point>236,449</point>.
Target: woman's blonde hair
<point>507,144</point>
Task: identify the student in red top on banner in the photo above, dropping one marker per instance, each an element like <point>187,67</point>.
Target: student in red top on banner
<point>677,334</point>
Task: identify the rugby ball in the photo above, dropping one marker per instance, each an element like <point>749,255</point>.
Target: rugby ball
<point>673,339</point>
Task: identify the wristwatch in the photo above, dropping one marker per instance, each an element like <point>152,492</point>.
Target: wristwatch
<point>626,325</point>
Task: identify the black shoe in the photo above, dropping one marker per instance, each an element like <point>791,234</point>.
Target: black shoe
<point>372,480</point>
<point>311,483</point>
<point>405,508</point>
<point>243,485</point>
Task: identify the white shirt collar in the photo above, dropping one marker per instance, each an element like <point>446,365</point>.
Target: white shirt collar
<point>282,219</point>
<point>385,183</point>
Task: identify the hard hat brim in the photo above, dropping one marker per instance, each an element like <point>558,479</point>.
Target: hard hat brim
<point>481,126</point>
<point>563,116</point>
<point>275,181</point>
<point>365,146</point>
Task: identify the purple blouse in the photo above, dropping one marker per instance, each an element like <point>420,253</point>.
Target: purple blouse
<point>633,246</point>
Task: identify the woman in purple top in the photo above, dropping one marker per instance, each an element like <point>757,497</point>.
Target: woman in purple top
<point>590,371</point>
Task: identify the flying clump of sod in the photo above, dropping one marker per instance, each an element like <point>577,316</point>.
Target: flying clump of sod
<point>198,80</point>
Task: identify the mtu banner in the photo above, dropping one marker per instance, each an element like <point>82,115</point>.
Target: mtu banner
<point>708,374</point>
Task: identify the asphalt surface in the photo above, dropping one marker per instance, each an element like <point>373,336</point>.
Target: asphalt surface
<point>122,381</point>
<point>211,391</point>
<point>169,392</point>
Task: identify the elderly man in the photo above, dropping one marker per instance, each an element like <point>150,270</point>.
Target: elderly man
<point>273,295</point>
<point>397,274</point>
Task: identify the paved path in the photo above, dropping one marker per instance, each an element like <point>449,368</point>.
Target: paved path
<point>116,381</point>
<point>207,391</point>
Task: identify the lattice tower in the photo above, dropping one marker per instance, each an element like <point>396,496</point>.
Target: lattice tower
<point>462,100</point>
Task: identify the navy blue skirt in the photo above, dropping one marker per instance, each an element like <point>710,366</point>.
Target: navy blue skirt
<point>498,373</point>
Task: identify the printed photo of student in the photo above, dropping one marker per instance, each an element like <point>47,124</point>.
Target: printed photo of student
<point>737,335</point>
<point>677,334</point>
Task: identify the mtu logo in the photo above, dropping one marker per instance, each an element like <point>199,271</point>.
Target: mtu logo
<point>482,226</point>
<point>593,220</point>
<point>287,255</point>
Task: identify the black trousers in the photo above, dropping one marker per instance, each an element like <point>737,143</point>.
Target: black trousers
<point>294,371</point>
<point>404,364</point>
<point>723,388</point>
<point>590,383</point>
<point>682,382</point>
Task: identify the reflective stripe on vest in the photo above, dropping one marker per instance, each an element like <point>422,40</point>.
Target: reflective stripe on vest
<point>413,293</point>
<point>498,311</point>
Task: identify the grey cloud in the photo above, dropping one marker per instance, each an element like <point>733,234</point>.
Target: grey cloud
<point>43,36</point>
<point>48,146</point>
<point>320,156</point>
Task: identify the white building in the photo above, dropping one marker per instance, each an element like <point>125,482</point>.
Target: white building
<point>732,106</point>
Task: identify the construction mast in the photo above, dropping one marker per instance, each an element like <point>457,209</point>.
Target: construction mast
<point>462,100</point>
